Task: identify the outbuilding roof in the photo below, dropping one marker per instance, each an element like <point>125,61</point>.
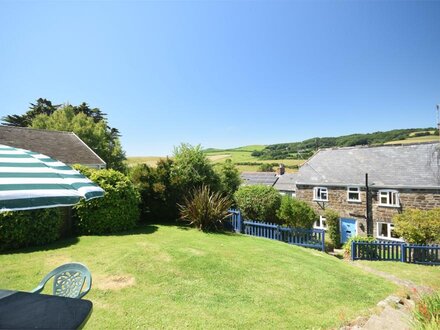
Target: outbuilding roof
<point>392,166</point>
<point>66,147</point>
<point>254,178</point>
<point>286,182</point>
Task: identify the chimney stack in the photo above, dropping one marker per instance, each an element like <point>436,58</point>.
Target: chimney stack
<point>281,169</point>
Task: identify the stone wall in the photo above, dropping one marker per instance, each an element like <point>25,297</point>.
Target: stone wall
<point>337,200</point>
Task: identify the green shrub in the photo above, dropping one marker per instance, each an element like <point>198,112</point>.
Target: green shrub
<point>347,245</point>
<point>329,246</point>
<point>296,213</point>
<point>29,228</point>
<point>265,167</point>
<point>427,312</point>
<point>258,202</point>
<point>229,178</point>
<point>118,210</point>
<point>192,169</point>
<point>204,209</point>
<point>158,193</point>
<point>418,226</point>
<point>332,219</point>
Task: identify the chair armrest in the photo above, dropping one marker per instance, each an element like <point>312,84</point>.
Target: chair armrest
<point>39,288</point>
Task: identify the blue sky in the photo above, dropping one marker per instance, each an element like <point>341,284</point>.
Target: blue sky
<point>226,73</point>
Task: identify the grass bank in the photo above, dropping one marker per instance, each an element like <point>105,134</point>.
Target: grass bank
<point>173,277</point>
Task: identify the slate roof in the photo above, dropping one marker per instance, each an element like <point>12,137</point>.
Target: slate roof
<point>254,178</point>
<point>286,182</point>
<point>66,147</point>
<point>401,166</point>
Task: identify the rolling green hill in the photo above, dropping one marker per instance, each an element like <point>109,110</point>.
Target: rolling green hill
<point>304,149</point>
<point>292,155</point>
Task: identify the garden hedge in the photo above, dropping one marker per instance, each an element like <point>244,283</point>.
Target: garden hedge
<point>117,211</point>
<point>29,228</point>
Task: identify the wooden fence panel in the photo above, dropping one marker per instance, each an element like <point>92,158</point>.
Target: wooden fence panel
<point>312,238</point>
<point>392,251</point>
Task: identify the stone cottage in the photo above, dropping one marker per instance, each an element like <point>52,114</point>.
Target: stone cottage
<point>397,177</point>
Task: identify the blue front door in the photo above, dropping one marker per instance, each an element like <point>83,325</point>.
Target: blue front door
<point>348,229</point>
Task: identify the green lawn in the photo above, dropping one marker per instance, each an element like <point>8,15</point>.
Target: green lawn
<point>419,274</point>
<point>173,277</point>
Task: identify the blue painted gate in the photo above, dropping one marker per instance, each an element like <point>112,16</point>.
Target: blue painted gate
<point>348,229</point>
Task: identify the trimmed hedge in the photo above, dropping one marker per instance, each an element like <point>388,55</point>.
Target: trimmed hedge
<point>29,228</point>
<point>258,202</point>
<point>117,211</point>
<point>296,213</point>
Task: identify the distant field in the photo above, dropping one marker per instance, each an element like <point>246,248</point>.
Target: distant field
<point>243,154</point>
<point>149,160</point>
<point>416,139</point>
<point>414,133</point>
<point>218,156</point>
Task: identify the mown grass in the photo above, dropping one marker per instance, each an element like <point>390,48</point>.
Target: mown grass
<point>172,277</point>
<point>419,274</point>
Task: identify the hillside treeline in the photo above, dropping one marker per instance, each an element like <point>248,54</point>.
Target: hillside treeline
<point>306,148</point>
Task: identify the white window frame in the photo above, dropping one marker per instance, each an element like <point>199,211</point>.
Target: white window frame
<point>317,197</point>
<point>390,227</point>
<point>389,196</point>
<point>321,223</point>
<point>358,191</point>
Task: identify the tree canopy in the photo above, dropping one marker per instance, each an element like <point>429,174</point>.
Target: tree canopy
<point>90,124</point>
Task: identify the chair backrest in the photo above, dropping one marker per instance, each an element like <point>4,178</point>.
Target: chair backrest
<point>69,280</point>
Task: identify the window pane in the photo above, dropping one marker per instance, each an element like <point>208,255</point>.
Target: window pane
<point>393,198</point>
<point>383,197</point>
<point>353,196</point>
<point>383,229</point>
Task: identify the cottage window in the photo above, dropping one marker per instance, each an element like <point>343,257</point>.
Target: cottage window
<point>388,198</point>
<point>320,194</point>
<point>385,230</point>
<point>321,223</point>
<point>353,194</point>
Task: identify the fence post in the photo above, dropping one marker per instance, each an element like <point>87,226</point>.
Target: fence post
<point>323,240</point>
<point>352,250</point>
<point>402,253</point>
<point>239,222</point>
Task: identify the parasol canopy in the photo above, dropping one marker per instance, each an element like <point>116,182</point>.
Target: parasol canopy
<point>30,180</point>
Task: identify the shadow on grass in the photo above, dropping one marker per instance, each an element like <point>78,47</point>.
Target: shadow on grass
<point>186,227</point>
<point>62,243</point>
<point>142,229</point>
<point>66,242</point>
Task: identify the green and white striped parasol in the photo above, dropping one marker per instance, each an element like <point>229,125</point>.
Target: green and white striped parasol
<point>30,180</point>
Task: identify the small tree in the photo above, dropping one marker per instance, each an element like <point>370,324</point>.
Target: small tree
<point>229,178</point>
<point>191,169</point>
<point>418,226</point>
<point>332,219</point>
<point>265,167</point>
<point>296,213</point>
<point>204,209</point>
<point>158,193</point>
<point>258,202</point>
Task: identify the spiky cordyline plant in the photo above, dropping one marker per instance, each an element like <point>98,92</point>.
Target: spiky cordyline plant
<point>205,209</point>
